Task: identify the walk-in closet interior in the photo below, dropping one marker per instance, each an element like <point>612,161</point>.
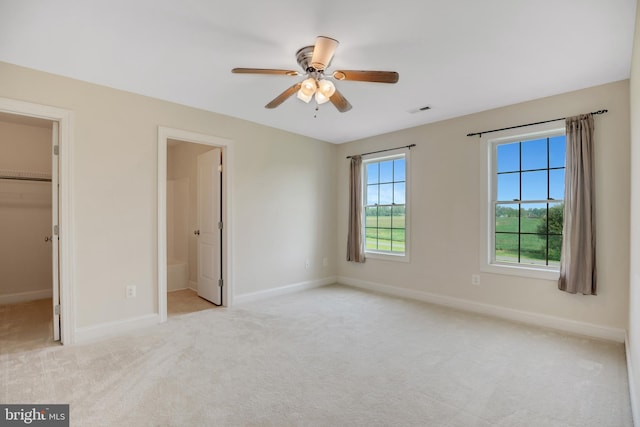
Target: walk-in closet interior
<point>26,270</point>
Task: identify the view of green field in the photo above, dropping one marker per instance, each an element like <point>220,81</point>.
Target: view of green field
<point>385,233</point>
<point>533,247</point>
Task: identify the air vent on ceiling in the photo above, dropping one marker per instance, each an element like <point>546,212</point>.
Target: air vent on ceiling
<point>420,109</point>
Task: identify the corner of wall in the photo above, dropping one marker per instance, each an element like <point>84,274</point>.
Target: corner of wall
<point>633,333</point>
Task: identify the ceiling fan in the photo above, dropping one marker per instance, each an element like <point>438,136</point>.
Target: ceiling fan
<point>315,60</point>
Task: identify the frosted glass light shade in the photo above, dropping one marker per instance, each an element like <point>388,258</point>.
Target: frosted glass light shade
<point>309,86</point>
<point>320,98</point>
<point>304,97</point>
<point>307,89</point>
<point>326,88</point>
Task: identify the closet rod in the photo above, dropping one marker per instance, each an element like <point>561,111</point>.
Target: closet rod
<point>22,178</point>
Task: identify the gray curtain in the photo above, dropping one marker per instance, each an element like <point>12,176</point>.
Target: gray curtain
<point>578,258</point>
<point>355,241</point>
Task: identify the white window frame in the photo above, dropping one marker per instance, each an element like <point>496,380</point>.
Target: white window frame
<point>488,188</point>
<point>390,155</point>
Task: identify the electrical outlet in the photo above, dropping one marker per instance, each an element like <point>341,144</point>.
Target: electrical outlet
<point>307,264</point>
<point>325,262</point>
<point>475,279</point>
<point>131,291</point>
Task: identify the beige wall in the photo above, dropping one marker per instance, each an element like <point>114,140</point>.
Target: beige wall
<point>25,211</point>
<point>445,210</point>
<point>24,147</point>
<point>178,233</point>
<point>182,162</point>
<point>282,194</point>
<point>634,292</point>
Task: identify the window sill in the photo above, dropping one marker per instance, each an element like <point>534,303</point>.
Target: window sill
<point>385,256</point>
<point>522,271</point>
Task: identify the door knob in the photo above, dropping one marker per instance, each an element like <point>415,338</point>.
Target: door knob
<point>48,239</point>
<point>196,232</point>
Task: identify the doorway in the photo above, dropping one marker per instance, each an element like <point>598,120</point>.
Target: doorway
<point>194,202</point>
<point>63,228</point>
<point>29,200</point>
<point>193,220</point>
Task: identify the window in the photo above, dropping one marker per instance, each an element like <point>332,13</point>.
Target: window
<point>527,203</point>
<point>385,208</point>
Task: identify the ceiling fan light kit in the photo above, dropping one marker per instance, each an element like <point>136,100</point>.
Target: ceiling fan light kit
<point>322,89</point>
<point>314,60</point>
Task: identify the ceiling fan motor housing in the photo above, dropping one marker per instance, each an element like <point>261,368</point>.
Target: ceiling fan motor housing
<point>303,56</point>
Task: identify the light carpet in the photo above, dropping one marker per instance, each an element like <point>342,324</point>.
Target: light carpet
<point>332,356</point>
<point>26,326</point>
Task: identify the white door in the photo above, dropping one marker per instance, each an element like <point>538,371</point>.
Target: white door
<point>55,238</point>
<point>208,233</point>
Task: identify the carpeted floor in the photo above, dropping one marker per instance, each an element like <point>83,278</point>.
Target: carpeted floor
<point>332,356</point>
<point>26,326</point>
<point>29,325</point>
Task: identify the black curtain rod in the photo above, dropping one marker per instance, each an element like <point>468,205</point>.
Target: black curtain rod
<point>529,124</point>
<point>382,151</point>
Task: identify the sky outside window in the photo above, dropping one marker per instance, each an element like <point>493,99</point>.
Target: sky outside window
<point>536,184</point>
<point>386,182</point>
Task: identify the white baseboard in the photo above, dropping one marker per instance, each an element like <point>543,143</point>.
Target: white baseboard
<point>282,290</point>
<point>191,288</point>
<point>176,290</point>
<point>552,322</point>
<point>112,329</point>
<point>26,296</point>
<point>634,393</point>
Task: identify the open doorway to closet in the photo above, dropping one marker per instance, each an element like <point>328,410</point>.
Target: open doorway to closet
<point>193,228</point>
<point>29,282</point>
<point>61,228</point>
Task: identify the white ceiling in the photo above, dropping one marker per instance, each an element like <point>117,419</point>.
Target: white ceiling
<point>457,56</point>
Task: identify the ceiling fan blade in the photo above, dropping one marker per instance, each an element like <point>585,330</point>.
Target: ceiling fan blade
<point>283,96</point>
<point>264,71</point>
<point>340,102</point>
<point>367,76</point>
<point>323,51</point>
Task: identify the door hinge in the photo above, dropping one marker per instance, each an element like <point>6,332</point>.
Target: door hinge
<point>56,310</point>
<point>56,149</point>
<point>55,230</point>
<point>220,225</point>
<point>219,168</point>
<point>220,282</point>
